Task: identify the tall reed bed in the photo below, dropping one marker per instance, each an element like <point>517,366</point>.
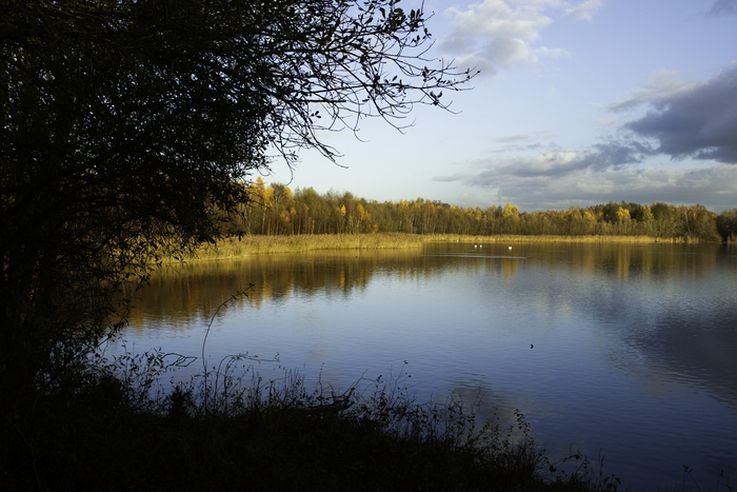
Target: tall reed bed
<point>253,245</point>
<point>517,238</point>
<point>256,245</point>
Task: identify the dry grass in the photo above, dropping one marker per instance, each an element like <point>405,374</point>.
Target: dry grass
<point>511,238</point>
<point>255,245</point>
<point>258,245</point>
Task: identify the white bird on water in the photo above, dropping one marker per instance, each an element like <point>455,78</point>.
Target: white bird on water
<point>510,248</point>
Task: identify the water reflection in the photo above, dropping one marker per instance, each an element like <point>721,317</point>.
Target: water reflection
<point>693,336</point>
<point>182,293</point>
<point>696,347</point>
<point>633,344</point>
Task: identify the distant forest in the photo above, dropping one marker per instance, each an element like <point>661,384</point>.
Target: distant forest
<point>278,210</point>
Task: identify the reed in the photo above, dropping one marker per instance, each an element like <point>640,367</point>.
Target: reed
<point>257,245</point>
<point>520,239</point>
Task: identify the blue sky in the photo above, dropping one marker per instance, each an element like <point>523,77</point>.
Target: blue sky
<point>578,102</point>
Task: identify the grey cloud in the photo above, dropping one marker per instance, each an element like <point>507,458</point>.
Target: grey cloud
<point>478,61</point>
<point>448,179</point>
<point>700,122</point>
<point>456,43</point>
<point>525,137</point>
<point>550,165</point>
<point>614,154</point>
<point>585,10</point>
<point>513,138</point>
<point>517,148</point>
<point>715,187</point>
<point>535,141</point>
<point>506,51</point>
<point>723,7</point>
<point>663,84</point>
<point>563,162</point>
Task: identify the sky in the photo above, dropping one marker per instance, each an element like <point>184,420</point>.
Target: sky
<point>578,102</point>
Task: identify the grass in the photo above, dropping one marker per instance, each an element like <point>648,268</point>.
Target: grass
<point>523,239</point>
<point>254,245</point>
<point>222,432</point>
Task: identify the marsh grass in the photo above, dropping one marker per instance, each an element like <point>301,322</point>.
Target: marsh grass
<point>249,245</point>
<point>233,247</point>
<point>527,239</point>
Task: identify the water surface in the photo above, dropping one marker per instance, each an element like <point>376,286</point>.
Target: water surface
<point>628,351</point>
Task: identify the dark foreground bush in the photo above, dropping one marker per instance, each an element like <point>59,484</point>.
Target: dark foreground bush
<point>105,435</point>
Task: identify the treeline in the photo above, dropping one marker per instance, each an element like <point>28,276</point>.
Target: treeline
<point>278,210</point>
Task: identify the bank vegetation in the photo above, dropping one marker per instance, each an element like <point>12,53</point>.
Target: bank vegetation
<point>237,247</point>
<point>277,210</point>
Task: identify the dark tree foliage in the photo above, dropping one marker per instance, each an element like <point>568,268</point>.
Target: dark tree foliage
<point>727,225</point>
<point>125,123</point>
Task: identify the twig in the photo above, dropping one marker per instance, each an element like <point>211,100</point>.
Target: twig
<point>235,296</point>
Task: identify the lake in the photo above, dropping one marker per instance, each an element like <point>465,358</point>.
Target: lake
<point>623,351</point>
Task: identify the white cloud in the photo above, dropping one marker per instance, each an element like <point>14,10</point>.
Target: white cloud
<point>501,19</point>
<point>495,34</point>
<point>585,10</point>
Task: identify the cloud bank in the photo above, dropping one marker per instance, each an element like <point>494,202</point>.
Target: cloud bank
<point>715,187</point>
<point>680,121</point>
<point>700,122</point>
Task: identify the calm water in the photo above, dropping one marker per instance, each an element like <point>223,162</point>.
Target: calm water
<point>625,350</point>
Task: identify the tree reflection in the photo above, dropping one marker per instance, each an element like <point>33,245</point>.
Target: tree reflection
<point>191,292</point>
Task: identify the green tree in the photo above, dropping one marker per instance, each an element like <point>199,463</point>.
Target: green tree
<point>129,127</point>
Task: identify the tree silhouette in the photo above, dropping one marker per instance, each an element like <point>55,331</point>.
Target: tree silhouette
<point>125,123</point>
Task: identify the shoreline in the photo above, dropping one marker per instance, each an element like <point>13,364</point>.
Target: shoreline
<point>232,247</point>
